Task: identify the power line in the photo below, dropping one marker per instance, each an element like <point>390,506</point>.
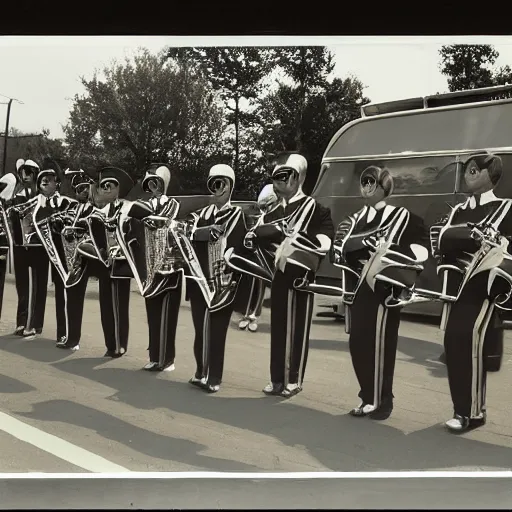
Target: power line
<point>9,98</point>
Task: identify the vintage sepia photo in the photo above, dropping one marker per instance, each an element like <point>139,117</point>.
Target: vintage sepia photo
<point>255,272</point>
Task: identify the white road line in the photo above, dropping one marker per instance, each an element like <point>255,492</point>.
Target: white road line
<point>266,476</point>
<point>57,447</point>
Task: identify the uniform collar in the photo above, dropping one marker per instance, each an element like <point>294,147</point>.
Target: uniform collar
<point>297,197</point>
<point>486,197</point>
<point>224,207</point>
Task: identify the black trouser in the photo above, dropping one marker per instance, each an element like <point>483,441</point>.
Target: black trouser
<point>256,297</point>
<point>162,313</point>
<point>473,333</point>
<point>373,342</point>
<point>290,323</point>
<point>115,311</point>
<point>4,254</point>
<point>75,299</point>
<point>114,307</point>
<point>61,304</point>
<point>211,330</point>
<point>31,272</point>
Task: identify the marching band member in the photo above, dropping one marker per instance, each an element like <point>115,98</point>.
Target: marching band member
<point>30,261</point>
<point>218,222</point>
<point>113,274</point>
<point>267,201</point>
<point>291,308</point>
<point>374,327</point>
<point>76,284</point>
<point>7,188</point>
<point>163,297</point>
<point>50,202</point>
<point>473,329</point>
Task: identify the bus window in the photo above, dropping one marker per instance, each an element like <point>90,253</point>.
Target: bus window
<point>411,176</point>
<point>474,127</point>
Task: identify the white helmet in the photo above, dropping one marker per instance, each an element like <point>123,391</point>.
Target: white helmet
<point>162,172</point>
<point>294,161</point>
<point>221,171</point>
<point>7,186</point>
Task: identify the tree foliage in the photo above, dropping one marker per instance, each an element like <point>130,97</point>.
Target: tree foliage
<point>324,112</point>
<point>236,73</point>
<point>472,67</point>
<point>142,111</point>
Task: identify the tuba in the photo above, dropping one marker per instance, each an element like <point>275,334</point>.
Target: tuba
<point>216,280</point>
<point>150,251</point>
<point>54,233</point>
<point>21,219</point>
<point>6,238</point>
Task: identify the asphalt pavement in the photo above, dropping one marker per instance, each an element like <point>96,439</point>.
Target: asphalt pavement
<point>73,413</point>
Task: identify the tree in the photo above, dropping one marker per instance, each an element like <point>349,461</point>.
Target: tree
<point>471,67</point>
<point>142,111</point>
<point>236,73</point>
<point>42,148</point>
<point>326,110</point>
<point>308,67</point>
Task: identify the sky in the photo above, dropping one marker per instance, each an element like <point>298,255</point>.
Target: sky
<point>44,71</point>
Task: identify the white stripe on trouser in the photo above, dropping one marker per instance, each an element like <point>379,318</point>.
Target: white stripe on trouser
<point>251,298</point>
<point>30,298</point>
<point>289,337</point>
<point>113,287</point>
<point>206,342</point>
<point>309,307</point>
<point>380,335</point>
<point>65,309</point>
<point>479,332</point>
<point>164,320</point>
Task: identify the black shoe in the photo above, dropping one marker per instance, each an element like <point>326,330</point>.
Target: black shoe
<point>29,334</point>
<point>200,382</point>
<point>19,330</point>
<point>291,390</point>
<point>361,410</point>
<point>210,388</point>
<point>273,389</point>
<point>65,346</point>
<point>61,341</point>
<point>383,411</point>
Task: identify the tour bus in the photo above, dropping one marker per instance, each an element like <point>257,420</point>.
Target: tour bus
<point>423,142</point>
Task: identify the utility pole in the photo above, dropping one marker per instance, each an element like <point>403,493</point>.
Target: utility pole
<point>6,135</point>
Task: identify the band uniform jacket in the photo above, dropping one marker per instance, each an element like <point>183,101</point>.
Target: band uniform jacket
<point>230,220</point>
<point>454,243</point>
<point>397,224</point>
<point>303,215</point>
<point>136,212</point>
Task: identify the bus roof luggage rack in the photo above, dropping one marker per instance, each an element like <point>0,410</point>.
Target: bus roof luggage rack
<point>377,109</point>
<point>499,92</point>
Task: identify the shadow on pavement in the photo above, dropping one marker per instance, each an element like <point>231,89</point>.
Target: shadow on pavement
<point>38,349</point>
<point>9,385</point>
<point>143,441</point>
<point>339,442</point>
<point>422,352</point>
